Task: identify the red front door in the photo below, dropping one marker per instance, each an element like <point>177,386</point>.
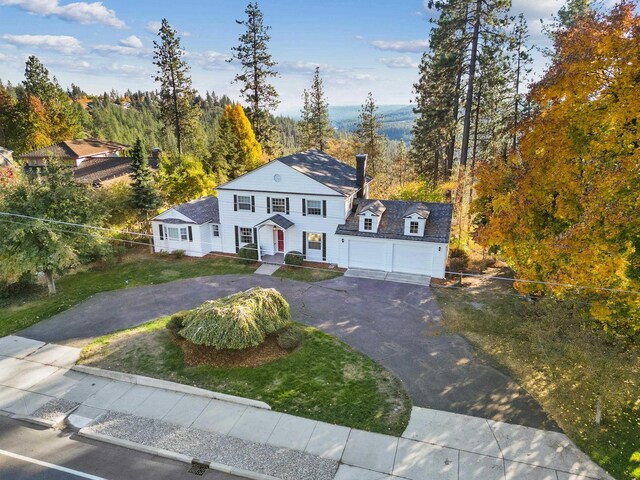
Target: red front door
<point>281,240</point>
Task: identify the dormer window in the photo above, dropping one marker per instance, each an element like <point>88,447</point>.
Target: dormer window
<point>414,227</point>
<point>368,224</point>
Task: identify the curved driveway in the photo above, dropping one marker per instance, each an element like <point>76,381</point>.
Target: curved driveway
<point>396,324</point>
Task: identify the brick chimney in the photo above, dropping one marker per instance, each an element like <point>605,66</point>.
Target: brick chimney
<point>361,175</point>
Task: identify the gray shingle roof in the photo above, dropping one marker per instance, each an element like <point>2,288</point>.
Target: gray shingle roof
<point>325,169</point>
<point>76,148</point>
<point>437,229</point>
<point>202,210</point>
<point>97,170</point>
<point>376,207</point>
<point>418,208</point>
<point>279,220</point>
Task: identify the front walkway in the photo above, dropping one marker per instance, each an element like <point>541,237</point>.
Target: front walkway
<point>36,382</point>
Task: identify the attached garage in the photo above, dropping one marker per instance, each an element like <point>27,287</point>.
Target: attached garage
<point>367,254</point>
<point>416,259</point>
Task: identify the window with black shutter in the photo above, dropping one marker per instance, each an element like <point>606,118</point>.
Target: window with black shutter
<point>287,206</point>
<point>253,203</point>
<point>304,243</point>
<point>268,204</point>
<point>304,207</point>
<point>324,208</point>
<point>190,234</point>
<point>161,230</point>
<point>237,239</point>
<point>235,203</point>
<point>324,247</point>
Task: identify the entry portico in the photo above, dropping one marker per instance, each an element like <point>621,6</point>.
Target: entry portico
<point>272,235</point>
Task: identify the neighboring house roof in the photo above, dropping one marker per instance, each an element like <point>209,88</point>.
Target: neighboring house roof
<point>102,169</point>
<point>279,220</point>
<point>6,157</point>
<point>177,221</point>
<point>324,169</point>
<point>76,148</point>
<point>376,207</point>
<point>437,228</point>
<point>202,210</point>
<point>418,208</point>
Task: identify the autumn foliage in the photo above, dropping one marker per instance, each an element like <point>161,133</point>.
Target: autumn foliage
<point>565,207</point>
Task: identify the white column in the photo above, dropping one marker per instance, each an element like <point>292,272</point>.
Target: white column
<point>258,243</point>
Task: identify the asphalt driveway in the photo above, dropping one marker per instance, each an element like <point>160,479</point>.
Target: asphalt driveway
<point>396,324</point>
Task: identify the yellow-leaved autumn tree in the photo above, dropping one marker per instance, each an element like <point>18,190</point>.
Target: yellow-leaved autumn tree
<point>236,150</point>
<point>565,207</point>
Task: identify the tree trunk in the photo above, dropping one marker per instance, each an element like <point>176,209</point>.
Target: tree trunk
<point>51,284</point>
<point>468,106</point>
<point>474,156</point>
<point>515,112</point>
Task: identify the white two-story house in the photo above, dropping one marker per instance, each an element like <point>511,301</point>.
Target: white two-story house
<point>312,203</point>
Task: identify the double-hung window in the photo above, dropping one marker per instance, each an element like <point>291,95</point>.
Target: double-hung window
<point>278,205</point>
<point>244,202</point>
<point>215,230</point>
<point>314,241</point>
<point>368,224</point>
<point>173,233</point>
<point>413,227</point>
<point>183,234</point>
<point>314,207</point>
<point>246,235</point>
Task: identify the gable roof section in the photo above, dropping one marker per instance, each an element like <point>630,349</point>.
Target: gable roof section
<point>418,208</point>
<point>391,224</point>
<point>202,210</point>
<point>376,207</point>
<point>76,149</point>
<point>278,220</point>
<point>324,169</point>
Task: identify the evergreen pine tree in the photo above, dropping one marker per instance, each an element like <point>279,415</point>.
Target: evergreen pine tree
<point>369,140</point>
<point>316,127</point>
<point>178,111</point>
<point>145,197</point>
<point>257,69</point>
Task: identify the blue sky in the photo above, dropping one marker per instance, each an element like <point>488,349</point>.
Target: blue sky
<point>360,45</point>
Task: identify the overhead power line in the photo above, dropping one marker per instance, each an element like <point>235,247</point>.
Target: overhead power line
<point>459,274</point>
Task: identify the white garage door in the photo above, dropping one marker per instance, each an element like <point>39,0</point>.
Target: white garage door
<point>363,254</point>
<point>413,259</point>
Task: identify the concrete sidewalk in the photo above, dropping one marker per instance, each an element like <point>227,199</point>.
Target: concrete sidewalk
<point>36,382</point>
<point>410,278</point>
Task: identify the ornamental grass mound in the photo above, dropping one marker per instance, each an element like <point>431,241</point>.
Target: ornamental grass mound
<point>239,321</point>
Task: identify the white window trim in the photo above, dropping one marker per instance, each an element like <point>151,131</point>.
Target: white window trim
<point>241,235</point>
<point>364,224</point>
<point>417,225</point>
<point>184,234</point>
<point>173,234</point>
<point>318,241</point>
<point>242,204</point>
<point>319,208</point>
<point>275,209</point>
<point>215,230</point>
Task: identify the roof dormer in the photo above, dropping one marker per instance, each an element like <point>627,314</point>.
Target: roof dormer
<point>415,220</point>
<point>369,215</point>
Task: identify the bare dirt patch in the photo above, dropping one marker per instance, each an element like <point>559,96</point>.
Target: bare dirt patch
<point>266,352</point>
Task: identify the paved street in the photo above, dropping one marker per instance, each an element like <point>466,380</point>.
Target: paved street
<point>398,325</point>
<point>25,451</point>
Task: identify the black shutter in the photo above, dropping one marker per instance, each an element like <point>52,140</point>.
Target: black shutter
<point>161,232</point>
<point>324,247</point>
<point>235,203</point>
<point>304,244</point>
<point>268,204</point>
<point>324,208</point>
<point>237,239</point>
<point>190,233</point>
<point>304,207</point>
<point>253,203</point>
<point>255,236</point>
<point>287,207</point>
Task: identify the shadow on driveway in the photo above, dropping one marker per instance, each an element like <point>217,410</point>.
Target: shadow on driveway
<point>396,324</point>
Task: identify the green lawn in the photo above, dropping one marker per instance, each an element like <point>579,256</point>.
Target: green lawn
<point>19,312</point>
<point>324,379</point>
<point>553,351</point>
<point>306,274</point>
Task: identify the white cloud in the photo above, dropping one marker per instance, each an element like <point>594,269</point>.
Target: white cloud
<point>210,60</point>
<point>329,73</point>
<point>153,26</point>
<point>401,45</point>
<point>402,61</point>
<point>124,69</point>
<point>131,42</point>
<point>58,43</point>
<point>80,12</point>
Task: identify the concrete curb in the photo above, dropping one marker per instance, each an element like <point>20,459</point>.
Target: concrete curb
<point>36,421</point>
<point>166,385</point>
<point>178,457</point>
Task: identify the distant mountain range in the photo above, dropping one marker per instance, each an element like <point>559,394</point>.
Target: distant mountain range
<point>397,120</point>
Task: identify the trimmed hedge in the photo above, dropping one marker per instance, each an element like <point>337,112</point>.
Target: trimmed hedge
<point>249,251</point>
<point>239,321</point>
<point>294,258</point>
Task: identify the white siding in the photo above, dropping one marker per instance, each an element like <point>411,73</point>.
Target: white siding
<point>194,248</point>
<point>229,219</point>
<point>292,181</point>
<point>414,218</point>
